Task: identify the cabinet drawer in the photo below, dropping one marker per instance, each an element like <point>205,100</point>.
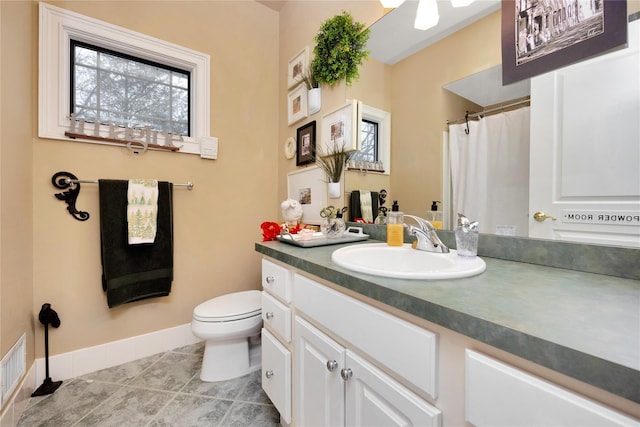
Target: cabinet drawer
<point>276,280</point>
<point>277,316</point>
<point>499,394</point>
<point>407,350</point>
<point>276,374</point>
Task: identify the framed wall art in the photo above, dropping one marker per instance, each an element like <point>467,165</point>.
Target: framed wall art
<point>309,187</point>
<point>297,107</point>
<point>538,37</point>
<point>341,129</point>
<point>297,66</point>
<point>306,144</point>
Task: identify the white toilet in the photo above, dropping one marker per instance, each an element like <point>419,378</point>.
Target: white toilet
<point>230,326</point>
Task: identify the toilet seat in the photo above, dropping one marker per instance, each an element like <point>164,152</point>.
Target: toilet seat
<point>230,307</point>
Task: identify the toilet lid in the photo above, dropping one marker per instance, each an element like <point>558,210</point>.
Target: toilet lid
<point>225,308</point>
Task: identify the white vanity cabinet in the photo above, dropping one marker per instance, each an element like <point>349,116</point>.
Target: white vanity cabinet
<point>276,336</point>
<point>498,394</point>
<point>343,383</point>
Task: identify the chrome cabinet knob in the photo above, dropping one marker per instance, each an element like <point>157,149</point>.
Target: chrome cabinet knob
<point>269,315</point>
<point>268,374</point>
<point>346,373</point>
<point>270,280</point>
<point>332,365</point>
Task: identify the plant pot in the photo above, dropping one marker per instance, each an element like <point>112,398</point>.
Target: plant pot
<point>334,190</point>
<point>314,100</point>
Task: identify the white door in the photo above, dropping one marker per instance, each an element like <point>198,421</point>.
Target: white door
<point>375,399</point>
<point>319,389</point>
<point>585,150</point>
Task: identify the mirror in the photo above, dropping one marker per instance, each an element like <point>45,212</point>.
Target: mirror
<point>413,90</point>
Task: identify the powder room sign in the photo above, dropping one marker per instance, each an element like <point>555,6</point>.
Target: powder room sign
<point>601,217</point>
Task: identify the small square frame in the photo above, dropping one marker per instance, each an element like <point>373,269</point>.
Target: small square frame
<point>297,104</point>
<point>297,66</point>
<point>342,128</point>
<point>306,144</point>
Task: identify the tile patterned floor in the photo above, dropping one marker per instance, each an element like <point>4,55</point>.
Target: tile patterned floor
<point>159,390</point>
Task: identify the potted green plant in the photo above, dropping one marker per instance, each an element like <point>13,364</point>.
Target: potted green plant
<point>339,50</point>
<point>333,163</point>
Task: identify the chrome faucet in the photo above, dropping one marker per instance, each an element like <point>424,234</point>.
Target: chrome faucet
<point>426,237</point>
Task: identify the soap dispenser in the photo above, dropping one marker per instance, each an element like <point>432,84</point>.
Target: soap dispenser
<point>395,226</point>
<point>434,216</point>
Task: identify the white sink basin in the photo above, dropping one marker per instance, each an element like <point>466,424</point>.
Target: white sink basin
<point>404,262</point>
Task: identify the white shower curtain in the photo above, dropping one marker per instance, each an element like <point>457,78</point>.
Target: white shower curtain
<point>490,172</point>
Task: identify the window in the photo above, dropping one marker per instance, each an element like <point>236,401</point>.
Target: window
<point>109,87</point>
<point>369,142</point>
<point>375,137</point>
<point>178,77</point>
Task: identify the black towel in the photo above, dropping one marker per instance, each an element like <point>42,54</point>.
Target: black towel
<point>134,272</point>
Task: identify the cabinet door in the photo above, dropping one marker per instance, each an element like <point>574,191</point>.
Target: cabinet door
<point>375,399</point>
<point>319,390</point>
<point>276,374</point>
<point>501,395</point>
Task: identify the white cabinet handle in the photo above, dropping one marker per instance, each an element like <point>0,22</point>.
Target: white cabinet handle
<point>346,373</point>
<point>331,365</point>
<point>269,315</point>
<point>268,374</point>
<point>270,280</point>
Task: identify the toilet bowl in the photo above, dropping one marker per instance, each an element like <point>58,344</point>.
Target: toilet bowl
<point>230,326</point>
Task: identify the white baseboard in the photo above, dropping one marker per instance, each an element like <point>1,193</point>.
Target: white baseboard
<point>91,359</point>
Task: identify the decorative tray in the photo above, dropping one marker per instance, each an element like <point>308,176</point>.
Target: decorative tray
<point>352,234</point>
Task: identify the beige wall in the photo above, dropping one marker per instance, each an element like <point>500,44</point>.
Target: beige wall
<point>17,122</point>
<point>215,225</point>
<point>299,23</point>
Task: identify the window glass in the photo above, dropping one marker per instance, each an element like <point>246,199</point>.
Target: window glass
<point>369,149</point>
<point>109,87</point>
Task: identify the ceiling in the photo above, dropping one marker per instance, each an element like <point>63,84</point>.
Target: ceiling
<point>393,37</point>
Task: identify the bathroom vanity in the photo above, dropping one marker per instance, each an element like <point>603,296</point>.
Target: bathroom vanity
<point>519,344</point>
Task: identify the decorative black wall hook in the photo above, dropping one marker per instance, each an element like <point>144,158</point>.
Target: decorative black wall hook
<point>67,180</point>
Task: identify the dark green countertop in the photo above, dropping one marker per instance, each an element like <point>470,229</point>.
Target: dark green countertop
<point>584,325</point>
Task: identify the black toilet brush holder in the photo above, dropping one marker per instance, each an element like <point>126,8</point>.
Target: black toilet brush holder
<point>47,316</point>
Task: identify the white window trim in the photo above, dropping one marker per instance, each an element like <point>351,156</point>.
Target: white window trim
<point>383,118</point>
<point>58,26</point>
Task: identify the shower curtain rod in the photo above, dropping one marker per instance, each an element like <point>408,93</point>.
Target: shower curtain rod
<point>470,115</point>
<point>189,184</point>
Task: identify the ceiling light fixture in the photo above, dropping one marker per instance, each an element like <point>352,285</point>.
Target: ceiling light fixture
<point>427,15</point>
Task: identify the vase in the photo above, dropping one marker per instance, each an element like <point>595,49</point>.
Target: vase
<point>314,100</point>
<point>334,190</point>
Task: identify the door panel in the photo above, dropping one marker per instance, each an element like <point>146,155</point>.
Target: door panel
<point>585,149</point>
<point>375,399</point>
<point>320,390</point>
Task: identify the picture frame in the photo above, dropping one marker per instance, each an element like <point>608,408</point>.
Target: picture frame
<point>297,66</point>
<point>308,186</point>
<point>341,128</point>
<point>306,144</point>
<point>297,104</point>
<point>533,43</point>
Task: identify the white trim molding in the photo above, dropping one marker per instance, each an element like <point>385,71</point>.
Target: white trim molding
<point>58,26</point>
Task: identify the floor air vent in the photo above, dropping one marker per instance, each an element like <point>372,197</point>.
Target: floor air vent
<point>13,367</point>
